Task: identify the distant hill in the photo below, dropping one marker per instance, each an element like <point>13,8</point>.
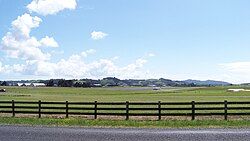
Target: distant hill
<point>207,82</point>
<point>113,81</point>
<point>245,84</point>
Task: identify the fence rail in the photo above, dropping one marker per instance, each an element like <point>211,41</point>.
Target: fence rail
<point>127,109</point>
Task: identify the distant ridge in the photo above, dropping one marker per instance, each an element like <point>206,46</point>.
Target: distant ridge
<point>207,82</point>
<point>113,81</point>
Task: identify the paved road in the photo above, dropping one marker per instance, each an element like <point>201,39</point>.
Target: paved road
<point>17,133</point>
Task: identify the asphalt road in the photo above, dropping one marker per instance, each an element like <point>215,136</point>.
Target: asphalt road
<point>26,133</point>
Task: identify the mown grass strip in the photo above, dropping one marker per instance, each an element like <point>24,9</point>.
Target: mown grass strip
<point>121,123</point>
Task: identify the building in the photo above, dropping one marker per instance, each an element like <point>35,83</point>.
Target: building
<point>31,84</point>
<point>37,85</point>
<point>23,84</point>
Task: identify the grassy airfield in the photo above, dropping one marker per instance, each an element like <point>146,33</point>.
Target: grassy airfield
<point>121,94</point>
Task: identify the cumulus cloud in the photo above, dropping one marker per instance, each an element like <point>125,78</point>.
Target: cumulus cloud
<point>16,68</point>
<point>26,49</point>
<point>48,7</point>
<point>49,41</point>
<point>18,43</point>
<point>77,67</point>
<point>97,35</point>
<point>87,52</point>
<point>23,24</point>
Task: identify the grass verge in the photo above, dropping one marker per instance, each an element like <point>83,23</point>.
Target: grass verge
<point>121,123</point>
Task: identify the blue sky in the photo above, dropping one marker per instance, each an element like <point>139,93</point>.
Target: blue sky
<point>195,39</point>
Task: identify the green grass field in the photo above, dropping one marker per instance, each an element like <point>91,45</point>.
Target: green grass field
<point>123,94</point>
<point>119,94</point>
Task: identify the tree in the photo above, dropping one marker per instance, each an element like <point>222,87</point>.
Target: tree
<point>50,83</point>
<point>4,83</point>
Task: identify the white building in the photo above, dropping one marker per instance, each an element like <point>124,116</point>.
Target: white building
<point>37,85</point>
<point>23,84</point>
<point>31,84</point>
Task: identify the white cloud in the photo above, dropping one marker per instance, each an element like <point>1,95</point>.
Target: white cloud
<point>91,51</point>
<point>48,7</point>
<point>97,35</point>
<point>48,41</point>
<point>236,72</point>
<point>55,52</point>
<point>16,68</point>
<point>237,67</point>
<point>115,58</point>
<point>151,54</point>
<point>76,67</point>
<point>23,24</point>
<point>26,49</point>
<point>18,43</point>
<point>87,52</point>
<point>1,68</point>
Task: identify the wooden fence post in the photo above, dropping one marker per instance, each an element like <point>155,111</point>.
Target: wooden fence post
<point>95,110</point>
<point>159,110</point>
<point>127,110</point>
<point>13,108</point>
<point>193,110</point>
<point>225,110</point>
<point>67,109</point>
<point>39,109</point>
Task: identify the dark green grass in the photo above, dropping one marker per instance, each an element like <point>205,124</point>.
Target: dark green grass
<point>77,122</point>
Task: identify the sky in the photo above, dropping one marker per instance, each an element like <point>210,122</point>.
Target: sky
<point>139,39</point>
